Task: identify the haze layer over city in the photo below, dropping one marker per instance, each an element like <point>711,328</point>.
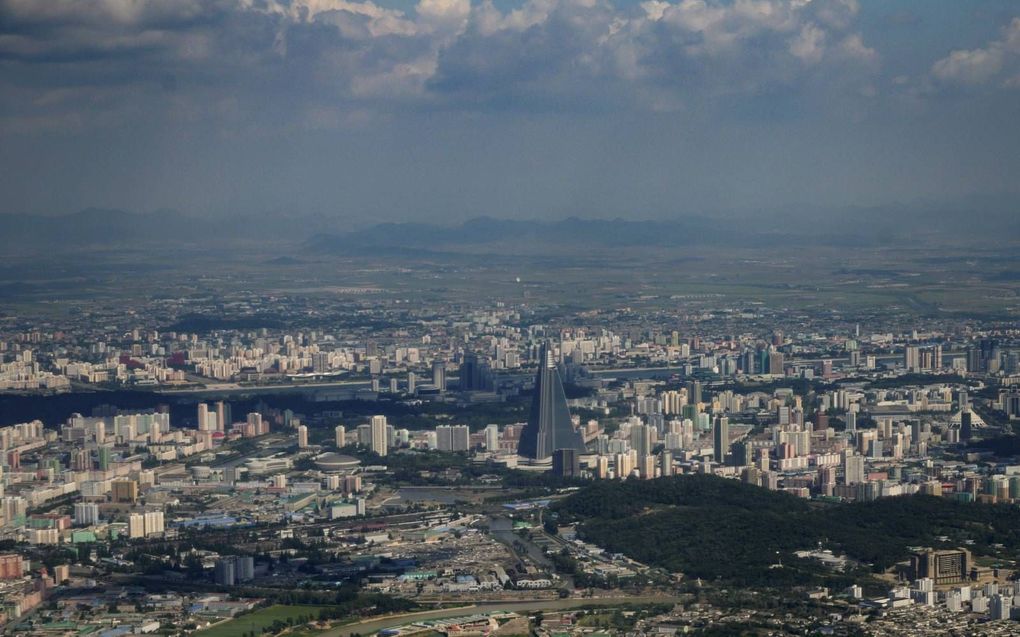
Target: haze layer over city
<point>586,318</point>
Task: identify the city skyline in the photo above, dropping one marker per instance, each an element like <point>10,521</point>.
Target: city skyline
<point>509,318</point>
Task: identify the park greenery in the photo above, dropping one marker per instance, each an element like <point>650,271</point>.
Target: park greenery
<point>717,529</point>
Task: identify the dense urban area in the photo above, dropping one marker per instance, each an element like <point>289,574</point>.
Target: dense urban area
<point>509,318</point>
<point>686,463</point>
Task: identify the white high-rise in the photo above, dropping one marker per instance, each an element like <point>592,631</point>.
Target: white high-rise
<point>154,522</point>
<point>641,439</point>
<point>136,525</point>
<point>378,442</point>
<point>492,438</point>
<point>86,514</point>
<point>853,469</point>
<point>912,358</point>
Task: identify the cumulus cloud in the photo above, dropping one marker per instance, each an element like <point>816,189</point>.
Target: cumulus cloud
<point>659,53</point>
<point>444,53</point>
<point>998,61</point>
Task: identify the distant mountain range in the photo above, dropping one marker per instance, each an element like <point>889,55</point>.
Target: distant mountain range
<point>94,228</point>
<point>488,233</point>
<point>856,228</point>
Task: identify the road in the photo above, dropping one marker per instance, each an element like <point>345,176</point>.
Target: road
<point>372,626</point>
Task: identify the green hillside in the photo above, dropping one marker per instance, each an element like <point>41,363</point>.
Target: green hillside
<point>713,528</point>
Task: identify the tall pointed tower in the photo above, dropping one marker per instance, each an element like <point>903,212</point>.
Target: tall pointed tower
<point>549,427</point>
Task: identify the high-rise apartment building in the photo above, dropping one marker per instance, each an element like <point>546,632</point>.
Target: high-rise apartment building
<point>221,416</point>
<point>492,438</point>
<point>86,513</point>
<point>641,439</point>
<point>11,566</point>
<point>125,491</point>
<point>721,438</point>
<point>378,434</point>
<point>136,526</point>
<point>622,465</point>
<point>453,437</point>
<point>439,374</point>
<point>154,523</point>
<point>853,469</point>
<point>912,358</point>
<point>666,463</point>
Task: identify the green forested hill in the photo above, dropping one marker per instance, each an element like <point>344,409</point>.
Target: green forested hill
<point>710,527</point>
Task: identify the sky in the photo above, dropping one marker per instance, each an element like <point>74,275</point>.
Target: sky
<point>442,110</point>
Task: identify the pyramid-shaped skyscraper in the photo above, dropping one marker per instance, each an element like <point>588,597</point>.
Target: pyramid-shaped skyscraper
<point>549,426</point>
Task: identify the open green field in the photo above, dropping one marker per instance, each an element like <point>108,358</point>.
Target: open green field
<point>260,619</point>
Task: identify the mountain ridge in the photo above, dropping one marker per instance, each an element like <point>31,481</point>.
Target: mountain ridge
<point>323,235</point>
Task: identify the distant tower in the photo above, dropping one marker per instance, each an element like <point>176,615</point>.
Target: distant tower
<point>439,374</point>
<point>912,358</point>
<point>549,426</point>
<point>722,439</point>
<point>966,426</point>
<point>641,439</point>
<point>666,463</point>
<point>475,373</point>
<point>203,417</point>
<point>565,463</point>
<point>468,373</point>
<point>492,438</point>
